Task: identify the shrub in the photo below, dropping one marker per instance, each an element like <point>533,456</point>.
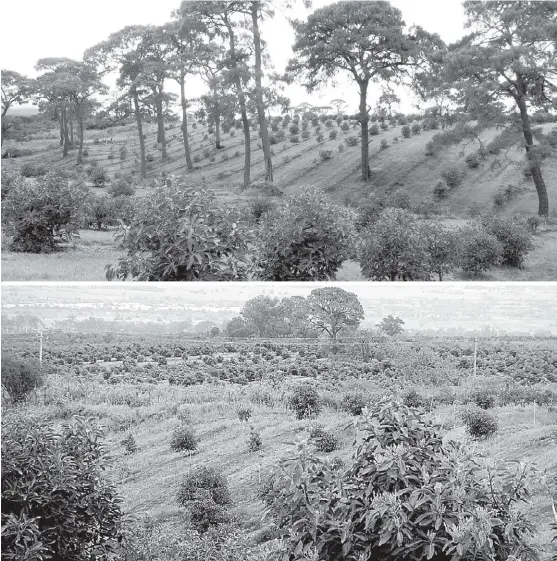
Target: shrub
<point>33,170</point>
<point>305,237</point>
<point>172,213</point>
<point>472,160</point>
<point>294,129</point>
<point>333,134</point>
<point>345,127</point>
<point>255,442</point>
<point>305,135</point>
<point>416,129</point>
<point>123,186</point>
<point>325,441</point>
<point>380,504</point>
<point>441,189</point>
<point>56,502</point>
<point>129,444</point>
<point>97,175</point>
<point>204,483</point>
<point>384,126</point>
<point>183,439</point>
<point>340,148</point>
<point>384,144</point>
<point>295,139</point>
<point>353,402</point>
<point>197,158</point>
<point>392,248</point>
<point>453,175</point>
<point>304,400</point>
<point>326,154</point>
<point>42,213</point>
<point>374,130</point>
<point>483,398</point>
<point>411,398</point>
<point>514,237</point>
<point>479,423</point>
<point>478,250</point>
<point>20,377</point>
<point>352,140</point>
<point>320,138</point>
<point>244,414</point>
<point>406,131</point>
<point>442,246</point>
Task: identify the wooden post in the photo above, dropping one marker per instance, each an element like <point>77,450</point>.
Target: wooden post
<point>40,347</point>
<point>534,413</point>
<point>475,355</point>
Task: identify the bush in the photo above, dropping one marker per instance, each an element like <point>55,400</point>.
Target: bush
<point>416,128</point>
<point>472,160</point>
<point>320,138</point>
<point>304,400</point>
<point>345,127</point>
<point>255,442</point>
<point>244,414</point>
<point>42,213</point>
<point>513,236</point>
<point>483,398</point>
<point>325,441</point>
<point>333,134</point>
<point>380,504</point>
<point>453,176</point>
<point>352,140</point>
<point>441,189</point>
<point>442,246</point>
<point>384,144</point>
<point>295,139</point>
<point>411,398</point>
<point>374,130</point>
<point>294,129</point>
<point>353,402</point>
<point>183,440</point>
<point>393,248</point>
<point>33,170</point>
<point>172,213</point>
<point>123,186</point>
<point>20,377</point>
<point>97,175</point>
<point>305,237</point>
<point>305,135</point>
<point>406,131</point>
<point>129,444</point>
<point>326,154</point>
<point>478,250</point>
<point>479,423</point>
<point>56,502</point>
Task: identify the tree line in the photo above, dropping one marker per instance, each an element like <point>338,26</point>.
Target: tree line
<point>496,74</point>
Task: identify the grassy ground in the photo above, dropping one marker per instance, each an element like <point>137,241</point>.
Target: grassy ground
<point>149,479</point>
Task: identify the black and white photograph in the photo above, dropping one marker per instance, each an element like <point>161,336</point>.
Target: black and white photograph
<point>280,140</point>
<point>362,196</point>
<point>261,421</point>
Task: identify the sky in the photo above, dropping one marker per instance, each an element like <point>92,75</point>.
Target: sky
<point>67,28</point>
<point>510,307</point>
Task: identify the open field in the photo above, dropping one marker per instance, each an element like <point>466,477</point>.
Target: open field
<point>128,391</point>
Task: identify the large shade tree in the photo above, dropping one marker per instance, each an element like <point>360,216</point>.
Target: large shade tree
<point>508,64</point>
<point>367,40</point>
<point>16,89</point>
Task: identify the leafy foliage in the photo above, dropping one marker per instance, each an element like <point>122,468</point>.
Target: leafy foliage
<point>479,423</point>
<point>20,377</point>
<point>478,250</point>
<point>43,212</point>
<point>405,494</point>
<point>183,439</point>
<point>180,233</point>
<point>304,400</point>
<point>56,502</point>
<point>304,238</point>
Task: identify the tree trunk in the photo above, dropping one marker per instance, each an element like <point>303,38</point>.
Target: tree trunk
<point>533,158</point>
<point>71,125</point>
<point>80,126</point>
<point>364,120</point>
<point>65,133</point>
<point>216,117</point>
<point>61,123</point>
<point>242,102</point>
<point>259,94</point>
<point>137,112</point>
<point>160,121</point>
<point>184,104</point>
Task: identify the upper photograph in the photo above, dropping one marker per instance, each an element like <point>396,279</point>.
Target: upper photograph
<point>279,140</point>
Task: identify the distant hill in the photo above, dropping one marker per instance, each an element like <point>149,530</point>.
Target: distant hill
<point>23,111</point>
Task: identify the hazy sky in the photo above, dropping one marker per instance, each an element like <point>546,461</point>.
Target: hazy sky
<point>512,306</point>
<point>41,28</point>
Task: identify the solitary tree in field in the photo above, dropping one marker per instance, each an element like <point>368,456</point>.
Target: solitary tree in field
<point>332,310</point>
<point>366,39</point>
<point>262,312</point>
<point>507,63</point>
<point>16,89</point>
<point>391,325</point>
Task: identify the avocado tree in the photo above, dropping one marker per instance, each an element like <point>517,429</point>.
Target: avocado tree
<point>509,56</point>
<point>366,39</point>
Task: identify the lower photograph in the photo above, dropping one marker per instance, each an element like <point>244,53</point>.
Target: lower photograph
<point>279,421</point>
